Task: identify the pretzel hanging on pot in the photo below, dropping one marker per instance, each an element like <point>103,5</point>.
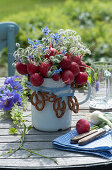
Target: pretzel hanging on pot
<point>74,85</point>
<point>73,104</point>
<point>47,97</point>
<point>39,103</point>
<point>59,106</point>
<point>52,98</point>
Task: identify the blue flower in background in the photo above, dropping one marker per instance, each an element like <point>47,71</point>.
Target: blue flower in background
<point>37,42</point>
<point>16,86</point>
<point>6,103</point>
<point>1,90</point>
<point>45,30</point>
<point>97,85</point>
<point>9,80</point>
<point>9,95</point>
<point>31,42</point>
<point>6,92</point>
<point>55,37</point>
<point>8,99</point>
<point>17,99</point>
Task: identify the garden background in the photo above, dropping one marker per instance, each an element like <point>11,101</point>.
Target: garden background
<point>91,19</point>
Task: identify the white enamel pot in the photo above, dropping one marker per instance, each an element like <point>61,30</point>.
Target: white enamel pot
<point>46,119</point>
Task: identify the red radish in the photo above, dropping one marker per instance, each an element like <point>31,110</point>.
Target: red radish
<point>36,79</point>
<point>44,68</point>
<point>82,67</point>
<point>81,78</point>
<point>82,126</point>
<point>21,68</point>
<point>74,67</point>
<point>53,51</point>
<point>76,59</point>
<point>67,77</point>
<point>65,63</point>
<point>31,68</point>
<point>56,77</point>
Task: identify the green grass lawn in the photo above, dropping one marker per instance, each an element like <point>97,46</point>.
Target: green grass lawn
<point>9,7</point>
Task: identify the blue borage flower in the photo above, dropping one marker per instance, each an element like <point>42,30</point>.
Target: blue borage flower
<point>97,86</point>
<point>57,71</point>
<point>45,48</point>
<point>34,43</point>
<point>55,37</point>
<point>45,30</point>
<point>64,52</point>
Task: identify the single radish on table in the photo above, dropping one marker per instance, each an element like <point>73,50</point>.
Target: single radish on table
<point>82,126</point>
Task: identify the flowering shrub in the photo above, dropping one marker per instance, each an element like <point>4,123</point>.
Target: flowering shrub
<point>56,56</point>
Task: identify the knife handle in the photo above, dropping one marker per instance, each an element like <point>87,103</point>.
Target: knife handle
<point>92,137</point>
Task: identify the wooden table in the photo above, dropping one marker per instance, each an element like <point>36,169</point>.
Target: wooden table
<point>43,140</point>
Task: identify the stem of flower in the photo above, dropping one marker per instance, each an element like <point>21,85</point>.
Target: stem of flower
<point>32,152</point>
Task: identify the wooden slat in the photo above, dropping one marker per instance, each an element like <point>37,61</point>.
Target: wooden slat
<point>46,163</point>
<point>29,138</point>
<point>29,145</point>
<point>47,152</point>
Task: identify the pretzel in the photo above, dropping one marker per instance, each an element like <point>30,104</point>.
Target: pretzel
<point>74,85</point>
<point>52,98</point>
<point>58,104</point>
<point>74,106</point>
<point>45,95</point>
<point>42,102</point>
<point>59,108</point>
<point>32,95</point>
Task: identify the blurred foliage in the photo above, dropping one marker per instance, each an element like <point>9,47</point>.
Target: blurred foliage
<point>92,19</point>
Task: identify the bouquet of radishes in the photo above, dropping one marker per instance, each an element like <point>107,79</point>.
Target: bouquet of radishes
<point>56,56</point>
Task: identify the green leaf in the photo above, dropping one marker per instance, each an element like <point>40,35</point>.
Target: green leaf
<point>13,131</point>
<point>29,127</point>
